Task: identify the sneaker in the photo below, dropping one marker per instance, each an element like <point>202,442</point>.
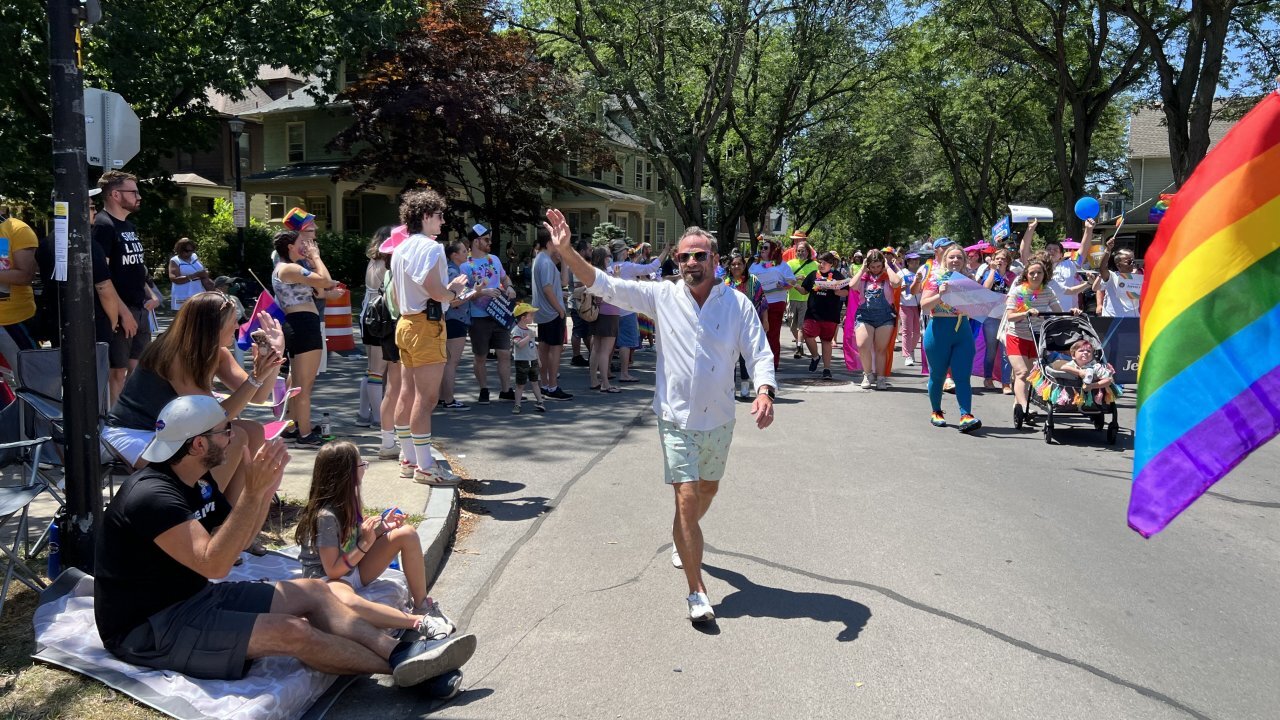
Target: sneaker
<point>507,395</point>
<point>540,407</point>
<point>909,361</point>
<point>745,389</point>
<point>700,608</point>
<point>579,361</point>
<point>291,433</point>
<point>881,383</point>
<point>440,403</point>
<point>969,423</point>
<point>434,625</point>
<point>406,470</point>
<point>826,374</point>
<point>515,410</point>
<point>675,557</point>
<point>456,405</point>
<point>389,453</point>
<point>813,365</point>
<point>363,422</point>
<point>937,420</point>
<point>799,353</point>
<point>443,687</point>
<point>558,394</point>
<point>437,476</point>
<point>416,662</point>
<point>312,440</point>
<point>484,397</point>
<point>866,381</point>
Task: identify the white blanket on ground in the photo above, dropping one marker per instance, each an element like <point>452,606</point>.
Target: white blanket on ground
<point>276,687</point>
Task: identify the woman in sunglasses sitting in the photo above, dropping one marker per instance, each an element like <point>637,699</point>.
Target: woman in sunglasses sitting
<point>185,360</point>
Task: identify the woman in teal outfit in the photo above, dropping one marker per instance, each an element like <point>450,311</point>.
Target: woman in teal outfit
<point>948,342</point>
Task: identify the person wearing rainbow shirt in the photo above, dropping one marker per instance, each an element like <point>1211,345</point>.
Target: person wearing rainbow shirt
<point>948,342</point>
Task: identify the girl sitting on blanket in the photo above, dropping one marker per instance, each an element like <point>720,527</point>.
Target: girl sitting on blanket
<point>350,551</point>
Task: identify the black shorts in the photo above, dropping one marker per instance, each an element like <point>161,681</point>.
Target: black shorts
<point>122,348</point>
<point>581,328</point>
<point>488,334</point>
<point>605,326</point>
<point>302,333</point>
<point>390,350</point>
<point>551,332</point>
<point>205,636</point>
<point>454,329</point>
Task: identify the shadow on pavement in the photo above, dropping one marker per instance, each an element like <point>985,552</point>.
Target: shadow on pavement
<point>752,600</point>
<point>491,487</point>
<point>513,509</point>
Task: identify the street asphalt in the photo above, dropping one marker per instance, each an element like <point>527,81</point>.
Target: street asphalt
<point>861,564</point>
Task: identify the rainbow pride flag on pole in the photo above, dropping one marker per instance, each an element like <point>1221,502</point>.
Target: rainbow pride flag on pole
<point>1209,374</point>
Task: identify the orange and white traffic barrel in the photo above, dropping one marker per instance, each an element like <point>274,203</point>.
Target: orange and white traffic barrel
<point>337,321</point>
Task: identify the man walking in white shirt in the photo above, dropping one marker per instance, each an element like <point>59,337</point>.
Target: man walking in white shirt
<point>703,326</point>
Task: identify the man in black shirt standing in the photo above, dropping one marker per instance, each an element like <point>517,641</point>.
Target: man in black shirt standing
<point>127,268</point>
<point>169,530</point>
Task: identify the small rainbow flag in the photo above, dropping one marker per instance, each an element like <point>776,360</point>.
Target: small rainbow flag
<point>1209,375</point>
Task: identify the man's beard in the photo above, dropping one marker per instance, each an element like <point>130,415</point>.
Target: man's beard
<point>692,276</point>
<point>215,457</point>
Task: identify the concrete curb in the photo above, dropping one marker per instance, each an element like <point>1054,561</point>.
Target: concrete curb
<point>439,521</point>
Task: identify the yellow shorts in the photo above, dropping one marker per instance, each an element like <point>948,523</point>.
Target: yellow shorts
<point>421,341</point>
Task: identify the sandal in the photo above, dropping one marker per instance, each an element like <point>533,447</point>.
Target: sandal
<point>629,380</point>
<point>611,390</point>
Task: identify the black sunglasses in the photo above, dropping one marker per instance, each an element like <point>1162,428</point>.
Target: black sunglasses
<point>698,255</point>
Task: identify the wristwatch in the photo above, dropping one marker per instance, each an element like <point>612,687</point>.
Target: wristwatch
<point>768,391</point>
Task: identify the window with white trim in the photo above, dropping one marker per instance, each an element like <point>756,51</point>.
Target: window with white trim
<point>573,164</point>
<point>296,141</point>
<point>351,207</point>
<point>620,174</point>
<point>660,232</point>
<point>275,208</point>
<point>648,176</point>
<point>639,178</point>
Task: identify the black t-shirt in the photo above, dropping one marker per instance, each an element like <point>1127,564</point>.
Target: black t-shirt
<point>824,305</point>
<point>125,262</point>
<point>133,578</point>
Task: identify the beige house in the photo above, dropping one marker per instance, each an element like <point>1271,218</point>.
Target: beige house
<point>1150,167</point>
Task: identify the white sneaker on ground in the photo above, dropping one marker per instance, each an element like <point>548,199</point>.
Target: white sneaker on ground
<point>389,453</point>
<point>700,608</point>
<point>866,381</point>
<point>434,624</point>
<point>435,475</point>
<point>407,470</point>
<point>675,558</point>
<point>909,361</point>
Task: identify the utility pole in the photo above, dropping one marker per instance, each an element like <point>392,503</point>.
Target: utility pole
<point>79,354</point>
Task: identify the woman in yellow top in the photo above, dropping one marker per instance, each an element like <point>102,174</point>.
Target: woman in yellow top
<point>17,301</point>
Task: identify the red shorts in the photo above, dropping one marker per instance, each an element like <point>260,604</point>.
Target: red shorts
<point>1018,346</point>
<point>821,329</point>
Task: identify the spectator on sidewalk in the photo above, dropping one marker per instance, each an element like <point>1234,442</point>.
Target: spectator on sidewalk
<point>548,298</point>
<point>580,334</point>
<point>801,266</point>
<point>18,269</point>
<point>525,350</point>
<point>169,530</point>
<point>369,413</point>
<point>629,323</point>
<point>490,280</point>
<point>294,285</point>
<point>457,325</point>
<point>420,276</point>
<point>187,275</point>
<point>393,379</point>
<point>695,415</point>
<point>126,268</point>
<point>604,331</point>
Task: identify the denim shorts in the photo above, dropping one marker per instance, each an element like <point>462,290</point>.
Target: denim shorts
<point>876,317</point>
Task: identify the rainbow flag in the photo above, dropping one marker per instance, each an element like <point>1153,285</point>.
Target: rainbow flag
<point>1209,374</point>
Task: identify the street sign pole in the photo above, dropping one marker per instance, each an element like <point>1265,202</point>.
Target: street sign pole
<point>79,363</point>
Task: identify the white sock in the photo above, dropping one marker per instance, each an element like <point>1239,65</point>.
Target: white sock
<point>406,445</point>
<point>388,439</point>
<point>422,448</point>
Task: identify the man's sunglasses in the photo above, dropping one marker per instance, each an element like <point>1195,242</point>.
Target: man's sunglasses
<point>699,256</point>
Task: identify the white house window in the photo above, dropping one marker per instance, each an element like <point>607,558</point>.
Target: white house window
<point>319,206</point>
<point>648,231</point>
<point>648,176</point>
<point>620,175</point>
<point>598,174</point>
<point>275,208</point>
<point>296,141</point>
<point>661,232</point>
<point>639,178</point>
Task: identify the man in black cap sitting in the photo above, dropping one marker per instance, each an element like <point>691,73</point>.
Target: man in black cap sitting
<point>169,530</point>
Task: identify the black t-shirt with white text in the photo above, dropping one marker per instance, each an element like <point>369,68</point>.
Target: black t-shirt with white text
<point>824,305</point>
<point>133,578</point>
<point>125,258</point>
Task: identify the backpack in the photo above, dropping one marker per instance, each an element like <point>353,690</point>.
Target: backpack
<point>380,317</point>
<point>588,305</point>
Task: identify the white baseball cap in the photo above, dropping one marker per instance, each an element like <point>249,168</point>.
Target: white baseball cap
<point>182,419</point>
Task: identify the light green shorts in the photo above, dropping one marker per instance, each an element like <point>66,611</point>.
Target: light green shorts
<point>689,455</point>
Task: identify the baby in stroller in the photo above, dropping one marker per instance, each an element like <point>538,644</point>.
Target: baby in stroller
<point>1095,376</point>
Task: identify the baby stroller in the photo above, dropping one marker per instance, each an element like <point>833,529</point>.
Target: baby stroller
<point>1058,392</point>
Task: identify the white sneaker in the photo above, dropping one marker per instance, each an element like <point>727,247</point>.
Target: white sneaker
<point>909,361</point>
<point>700,608</point>
<point>675,558</point>
<point>866,381</point>
<point>434,624</point>
<point>881,383</point>
<point>389,453</point>
<point>407,470</point>
<point>435,475</point>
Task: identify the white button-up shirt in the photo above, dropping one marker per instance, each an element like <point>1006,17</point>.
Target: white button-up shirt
<point>698,347</point>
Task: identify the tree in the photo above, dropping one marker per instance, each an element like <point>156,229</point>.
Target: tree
<point>165,57</point>
<point>459,103</point>
<point>1084,55</point>
<point>1188,41</point>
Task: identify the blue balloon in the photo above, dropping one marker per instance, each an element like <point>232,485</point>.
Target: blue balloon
<point>1087,207</point>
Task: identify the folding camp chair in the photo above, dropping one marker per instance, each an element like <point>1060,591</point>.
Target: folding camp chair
<point>39,380</point>
<point>23,458</point>
<point>281,394</point>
